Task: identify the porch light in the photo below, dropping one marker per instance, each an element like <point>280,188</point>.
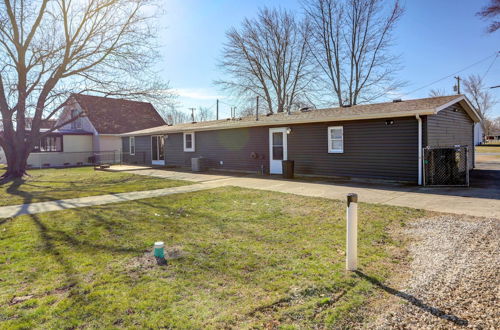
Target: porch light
<point>288,130</point>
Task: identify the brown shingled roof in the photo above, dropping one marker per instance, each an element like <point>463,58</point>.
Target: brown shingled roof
<point>425,106</point>
<point>117,116</point>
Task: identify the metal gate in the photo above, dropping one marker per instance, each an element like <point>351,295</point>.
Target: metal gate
<point>446,166</point>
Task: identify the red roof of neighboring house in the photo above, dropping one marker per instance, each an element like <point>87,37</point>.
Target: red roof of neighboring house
<point>116,116</point>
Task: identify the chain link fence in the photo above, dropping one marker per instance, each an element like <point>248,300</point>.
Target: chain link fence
<point>446,166</point>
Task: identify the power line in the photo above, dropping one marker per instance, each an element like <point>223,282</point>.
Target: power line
<point>451,75</point>
<point>229,105</point>
<point>489,68</point>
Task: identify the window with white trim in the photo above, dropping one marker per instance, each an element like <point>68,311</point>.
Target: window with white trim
<point>189,142</point>
<point>336,139</point>
<point>131,145</point>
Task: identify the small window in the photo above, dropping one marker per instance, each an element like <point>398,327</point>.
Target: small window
<point>336,139</point>
<point>131,145</point>
<point>188,142</point>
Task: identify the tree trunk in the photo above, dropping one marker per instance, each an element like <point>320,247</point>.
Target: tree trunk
<point>16,163</point>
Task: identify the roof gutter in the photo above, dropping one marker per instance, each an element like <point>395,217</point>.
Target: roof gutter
<point>419,120</point>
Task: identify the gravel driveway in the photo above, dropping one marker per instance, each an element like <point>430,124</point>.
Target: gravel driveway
<point>455,277</point>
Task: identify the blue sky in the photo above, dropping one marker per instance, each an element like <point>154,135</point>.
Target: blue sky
<point>434,38</point>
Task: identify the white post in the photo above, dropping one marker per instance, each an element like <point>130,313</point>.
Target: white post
<point>352,232</point>
<point>420,164</point>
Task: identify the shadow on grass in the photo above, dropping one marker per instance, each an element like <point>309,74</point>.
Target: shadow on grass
<point>49,247</point>
<point>53,243</point>
<point>414,301</point>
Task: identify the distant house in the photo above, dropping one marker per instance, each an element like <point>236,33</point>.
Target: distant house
<point>493,136</point>
<point>478,134</point>
<point>96,132</point>
<point>381,141</point>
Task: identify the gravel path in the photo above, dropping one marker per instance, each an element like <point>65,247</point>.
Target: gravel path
<point>455,277</point>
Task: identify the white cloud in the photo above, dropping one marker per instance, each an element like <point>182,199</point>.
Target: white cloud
<point>197,93</point>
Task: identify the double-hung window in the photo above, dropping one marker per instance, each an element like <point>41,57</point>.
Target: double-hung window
<point>131,145</point>
<point>189,142</point>
<point>336,139</point>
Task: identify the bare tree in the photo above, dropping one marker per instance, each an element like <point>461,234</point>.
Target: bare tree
<point>350,41</point>
<point>480,96</point>
<point>268,57</point>
<point>171,114</point>
<point>491,12</point>
<point>204,114</point>
<point>51,48</point>
<point>437,92</point>
<point>490,125</point>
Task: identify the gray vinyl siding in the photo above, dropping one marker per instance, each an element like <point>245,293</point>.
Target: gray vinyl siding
<point>142,150</point>
<point>451,126</point>
<point>372,149</point>
<point>233,147</point>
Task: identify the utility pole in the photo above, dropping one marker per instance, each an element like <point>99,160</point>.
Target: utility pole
<point>257,109</point>
<point>287,98</point>
<point>192,114</point>
<point>217,110</point>
<point>457,86</point>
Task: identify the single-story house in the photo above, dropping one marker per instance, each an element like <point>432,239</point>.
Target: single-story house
<point>380,141</point>
<point>95,134</point>
<point>493,136</point>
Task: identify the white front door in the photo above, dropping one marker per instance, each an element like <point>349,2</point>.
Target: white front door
<point>158,150</point>
<point>277,149</point>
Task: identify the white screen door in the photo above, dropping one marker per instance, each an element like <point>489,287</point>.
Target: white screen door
<point>278,150</point>
<point>157,150</point>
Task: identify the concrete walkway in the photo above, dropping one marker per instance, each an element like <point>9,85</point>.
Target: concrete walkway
<point>33,208</point>
<point>484,202</point>
<point>473,201</point>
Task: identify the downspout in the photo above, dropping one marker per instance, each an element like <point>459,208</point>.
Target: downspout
<point>419,149</point>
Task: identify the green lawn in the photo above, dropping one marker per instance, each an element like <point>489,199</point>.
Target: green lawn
<point>53,184</point>
<point>488,149</point>
<point>238,258</point>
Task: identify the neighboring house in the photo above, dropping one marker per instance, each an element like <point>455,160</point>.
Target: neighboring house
<point>478,134</point>
<point>95,134</point>
<point>494,136</point>
<point>45,125</point>
<point>378,141</point>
